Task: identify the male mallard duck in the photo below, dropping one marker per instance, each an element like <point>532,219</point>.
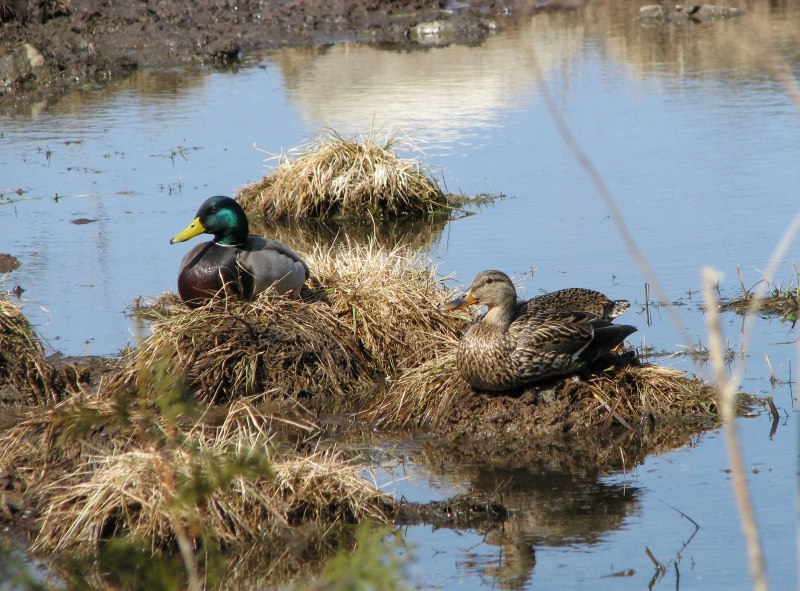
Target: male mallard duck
<point>242,262</point>
<point>515,344</point>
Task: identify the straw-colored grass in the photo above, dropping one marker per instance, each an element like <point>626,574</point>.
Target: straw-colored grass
<point>37,448</point>
<point>22,360</point>
<point>370,311</point>
<point>650,390</point>
<point>423,394</point>
<point>334,176</point>
<point>229,349</point>
<point>388,299</point>
<point>134,493</point>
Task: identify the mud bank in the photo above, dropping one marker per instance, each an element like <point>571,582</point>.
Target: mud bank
<point>48,47</point>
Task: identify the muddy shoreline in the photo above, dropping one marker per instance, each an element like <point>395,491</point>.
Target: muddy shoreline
<point>48,47</point>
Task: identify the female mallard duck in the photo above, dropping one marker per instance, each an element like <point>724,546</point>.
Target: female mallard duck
<point>243,263</point>
<point>515,344</point>
<point>578,299</point>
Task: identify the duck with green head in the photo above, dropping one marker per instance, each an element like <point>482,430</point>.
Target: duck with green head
<point>515,344</point>
<point>242,263</point>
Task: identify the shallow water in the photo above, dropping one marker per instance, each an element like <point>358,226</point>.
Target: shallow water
<point>697,143</point>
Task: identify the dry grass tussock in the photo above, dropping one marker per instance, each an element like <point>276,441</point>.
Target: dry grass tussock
<point>424,393</point>
<point>229,349</point>
<point>640,391</point>
<point>23,366</point>
<point>388,299</point>
<point>46,442</point>
<point>334,176</point>
<point>99,470</point>
<point>372,312</point>
<point>141,492</point>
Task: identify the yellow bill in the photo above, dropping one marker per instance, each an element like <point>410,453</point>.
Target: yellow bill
<point>191,231</point>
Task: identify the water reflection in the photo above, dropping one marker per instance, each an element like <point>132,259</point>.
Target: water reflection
<point>306,236</point>
<point>740,48</point>
<point>561,494</point>
<point>445,94</point>
<point>439,94</point>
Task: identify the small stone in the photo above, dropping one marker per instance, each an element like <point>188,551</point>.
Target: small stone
<point>35,59</point>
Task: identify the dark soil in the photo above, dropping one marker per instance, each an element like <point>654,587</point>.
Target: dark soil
<point>49,46</point>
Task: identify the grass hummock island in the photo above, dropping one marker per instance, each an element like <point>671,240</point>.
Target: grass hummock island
<point>210,433</point>
<point>334,177</point>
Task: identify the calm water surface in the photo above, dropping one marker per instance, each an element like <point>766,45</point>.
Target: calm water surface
<point>699,146</point>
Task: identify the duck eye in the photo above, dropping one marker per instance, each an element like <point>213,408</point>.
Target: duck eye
<point>489,280</point>
<point>215,209</point>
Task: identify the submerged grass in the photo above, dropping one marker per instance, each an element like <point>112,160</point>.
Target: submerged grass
<point>335,176</point>
<point>778,301</point>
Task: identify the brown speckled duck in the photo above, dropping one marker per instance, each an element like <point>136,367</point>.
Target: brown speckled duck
<point>578,299</point>
<point>517,343</point>
<point>242,262</point>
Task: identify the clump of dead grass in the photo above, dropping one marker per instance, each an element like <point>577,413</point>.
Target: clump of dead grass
<point>335,176</point>
<point>369,312</point>
<point>424,393</point>
<point>22,360</point>
<point>387,298</point>
<point>230,349</point>
<point>640,391</point>
<point>129,492</point>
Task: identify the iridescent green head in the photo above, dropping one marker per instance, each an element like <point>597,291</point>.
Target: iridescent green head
<point>220,216</point>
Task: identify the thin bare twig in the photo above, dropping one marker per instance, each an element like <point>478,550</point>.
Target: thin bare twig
<point>726,390</point>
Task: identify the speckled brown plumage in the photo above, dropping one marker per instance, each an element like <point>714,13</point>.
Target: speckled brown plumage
<point>578,298</point>
<point>516,343</point>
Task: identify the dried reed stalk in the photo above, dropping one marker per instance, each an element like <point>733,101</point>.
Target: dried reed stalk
<point>726,390</point>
